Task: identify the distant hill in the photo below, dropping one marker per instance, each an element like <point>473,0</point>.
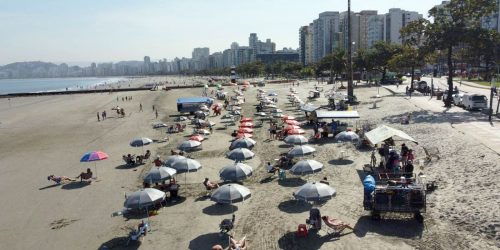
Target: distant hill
<point>28,65</point>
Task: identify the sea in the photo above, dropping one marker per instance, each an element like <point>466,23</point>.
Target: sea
<point>11,86</point>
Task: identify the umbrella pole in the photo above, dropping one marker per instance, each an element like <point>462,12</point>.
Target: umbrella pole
<point>95,168</point>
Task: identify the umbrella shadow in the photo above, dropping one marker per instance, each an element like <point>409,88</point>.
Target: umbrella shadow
<point>169,202</point>
<point>49,186</point>
<point>294,206</point>
<point>120,243</point>
<point>398,227</point>
<point>220,209</point>
<point>75,185</point>
<point>292,182</point>
<point>340,162</point>
<point>284,146</point>
<point>128,166</point>
<point>206,240</point>
<point>268,179</point>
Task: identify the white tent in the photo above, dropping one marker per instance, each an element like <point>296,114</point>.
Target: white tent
<point>383,132</point>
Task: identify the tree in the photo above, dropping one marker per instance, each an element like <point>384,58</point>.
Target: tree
<point>453,24</point>
<point>381,54</point>
<point>335,63</point>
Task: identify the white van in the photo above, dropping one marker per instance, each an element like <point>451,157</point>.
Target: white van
<point>458,99</point>
<point>474,101</point>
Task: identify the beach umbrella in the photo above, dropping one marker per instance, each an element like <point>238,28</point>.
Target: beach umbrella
<point>243,135</point>
<point>227,116</point>
<point>230,193</point>
<point>273,94</point>
<point>291,127</point>
<point>292,122</point>
<point>140,142</point>
<point>159,174</point>
<point>296,139</point>
<point>246,119</point>
<point>297,131</point>
<point>240,154</point>
<point>301,150</point>
<point>277,111</point>
<point>245,130</point>
<point>347,136</point>
<point>306,167</point>
<point>199,138</point>
<point>144,198</point>
<point>242,143</point>
<point>288,117</point>
<point>260,114</point>
<point>189,145</point>
<point>246,124</point>
<point>186,165</point>
<point>172,159</point>
<point>270,106</point>
<point>277,115</point>
<point>314,192</point>
<point>203,132</point>
<point>235,172</point>
<point>94,156</point>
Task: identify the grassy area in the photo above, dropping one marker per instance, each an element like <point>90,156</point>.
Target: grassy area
<point>484,83</point>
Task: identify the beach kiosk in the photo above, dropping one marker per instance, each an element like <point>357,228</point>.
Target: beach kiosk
<point>192,104</point>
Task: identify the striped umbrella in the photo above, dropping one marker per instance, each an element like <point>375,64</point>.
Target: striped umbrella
<point>245,130</point>
<point>94,156</point>
<point>246,119</point>
<point>306,167</point>
<point>297,131</point>
<point>235,172</point>
<point>246,124</point>
<point>242,143</point>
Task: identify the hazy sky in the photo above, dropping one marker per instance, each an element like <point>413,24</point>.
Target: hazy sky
<point>114,30</point>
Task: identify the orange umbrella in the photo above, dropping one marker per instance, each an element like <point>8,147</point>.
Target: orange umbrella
<point>246,124</point>
<point>243,135</point>
<point>246,119</point>
<point>296,131</point>
<point>292,122</point>
<point>245,130</point>
<point>199,138</point>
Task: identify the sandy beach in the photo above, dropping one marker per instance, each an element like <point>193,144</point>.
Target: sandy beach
<point>48,135</point>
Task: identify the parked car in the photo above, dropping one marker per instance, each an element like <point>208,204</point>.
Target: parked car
<point>419,85</point>
<point>457,99</point>
<point>391,81</point>
<point>474,101</point>
<point>445,94</point>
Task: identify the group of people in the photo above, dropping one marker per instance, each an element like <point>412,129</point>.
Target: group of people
<point>124,98</point>
<point>397,164</point>
<point>277,134</point>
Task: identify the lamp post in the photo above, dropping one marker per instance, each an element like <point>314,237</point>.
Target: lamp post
<point>350,90</point>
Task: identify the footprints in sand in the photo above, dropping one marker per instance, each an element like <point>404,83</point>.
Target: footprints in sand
<point>58,224</point>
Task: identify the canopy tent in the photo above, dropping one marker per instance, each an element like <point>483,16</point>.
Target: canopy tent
<point>384,132</point>
<point>323,114</point>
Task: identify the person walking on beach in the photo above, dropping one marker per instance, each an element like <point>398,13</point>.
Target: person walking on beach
<point>140,107</point>
<point>103,115</point>
<point>156,113</point>
<point>153,107</point>
<point>98,118</point>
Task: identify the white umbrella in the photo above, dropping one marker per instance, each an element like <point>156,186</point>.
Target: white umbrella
<point>188,145</point>
<point>159,174</point>
<point>296,140</point>
<point>144,198</point>
<point>140,142</point>
<point>203,131</point>
<point>172,159</point>
<point>301,150</point>
<point>347,136</point>
<point>306,167</point>
<point>314,192</point>
<point>261,114</point>
<point>240,154</point>
<point>242,143</point>
<point>276,111</point>
<point>235,172</point>
<point>230,193</point>
<point>186,165</point>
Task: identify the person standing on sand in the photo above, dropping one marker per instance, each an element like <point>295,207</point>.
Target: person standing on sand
<point>103,115</point>
<point>153,107</point>
<point>156,113</point>
<point>140,107</point>
<point>98,118</point>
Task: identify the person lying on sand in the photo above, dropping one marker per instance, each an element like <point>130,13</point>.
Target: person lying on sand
<point>59,179</point>
<point>237,245</point>
<point>210,185</point>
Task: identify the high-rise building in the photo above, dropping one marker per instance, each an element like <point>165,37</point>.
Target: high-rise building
<point>325,27</point>
<point>303,32</point>
<point>253,43</point>
<point>309,45</point>
<point>375,30</point>
<point>364,25</point>
<point>395,20</point>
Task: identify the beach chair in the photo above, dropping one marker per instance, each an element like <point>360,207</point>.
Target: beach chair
<point>335,226</point>
<point>314,221</point>
<point>142,230</point>
<point>227,225</point>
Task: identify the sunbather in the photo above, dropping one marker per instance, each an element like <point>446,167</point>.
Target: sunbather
<point>59,179</point>
<point>237,245</point>
<point>210,185</point>
<point>85,175</point>
<point>336,224</point>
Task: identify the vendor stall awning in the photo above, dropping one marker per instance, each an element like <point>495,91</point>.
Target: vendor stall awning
<point>384,132</point>
<point>336,114</point>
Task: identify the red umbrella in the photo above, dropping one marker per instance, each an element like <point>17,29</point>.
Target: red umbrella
<point>245,130</point>
<point>291,127</point>
<point>246,119</point>
<point>246,124</point>
<point>297,131</point>
<point>243,135</point>
<point>292,122</point>
<point>199,138</point>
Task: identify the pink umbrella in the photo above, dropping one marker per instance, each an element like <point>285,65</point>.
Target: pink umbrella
<point>246,119</point>
<point>199,138</point>
<point>291,127</point>
<point>297,131</point>
<point>243,135</point>
<point>246,124</point>
<point>245,130</point>
<point>287,117</point>
<point>292,122</point>
<point>94,156</point>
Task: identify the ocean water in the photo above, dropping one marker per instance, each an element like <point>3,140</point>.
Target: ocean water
<point>8,86</point>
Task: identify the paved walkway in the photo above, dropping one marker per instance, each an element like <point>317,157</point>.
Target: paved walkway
<point>473,124</point>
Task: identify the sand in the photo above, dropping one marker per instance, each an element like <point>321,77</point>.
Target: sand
<point>48,135</point>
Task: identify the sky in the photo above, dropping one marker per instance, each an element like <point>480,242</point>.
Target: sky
<point>82,31</point>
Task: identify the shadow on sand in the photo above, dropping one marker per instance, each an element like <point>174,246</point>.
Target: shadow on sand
<point>49,186</point>
<point>220,209</point>
<point>313,241</point>
<point>120,243</point>
<point>292,182</point>
<point>294,206</point>
<point>402,228</point>
<point>75,185</point>
<point>127,166</point>
<point>205,241</point>
<point>340,162</point>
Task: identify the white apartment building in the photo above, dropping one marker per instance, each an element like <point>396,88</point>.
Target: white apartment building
<point>325,28</point>
<point>395,20</point>
<point>375,30</point>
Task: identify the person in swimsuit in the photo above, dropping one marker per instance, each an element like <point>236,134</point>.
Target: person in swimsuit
<point>59,179</point>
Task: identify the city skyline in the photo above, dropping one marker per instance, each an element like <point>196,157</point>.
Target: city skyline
<point>113,31</point>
